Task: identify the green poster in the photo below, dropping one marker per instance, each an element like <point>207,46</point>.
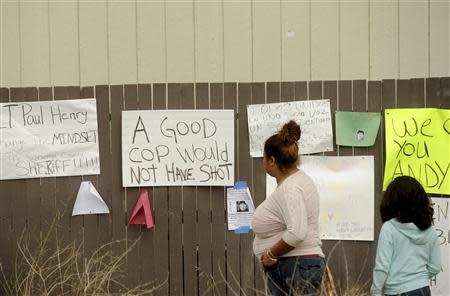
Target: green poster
<point>418,145</point>
<point>357,129</point>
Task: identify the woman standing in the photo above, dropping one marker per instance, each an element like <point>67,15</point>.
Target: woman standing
<point>286,224</point>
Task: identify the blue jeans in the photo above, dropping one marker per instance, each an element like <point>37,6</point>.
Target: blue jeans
<point>425,291</point>
<point>300,275</point>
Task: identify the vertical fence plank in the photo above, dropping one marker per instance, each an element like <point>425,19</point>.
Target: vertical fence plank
<point>90,238</point>
<point>300,90</point>
<point>374,104</point>
<point>410,93</point>
<point>218,207</point>
<point>133,232</point>
<point>258,189</point>
<point>48,185</point>
<point>161,210</point>
<point>287,93</point>
<point>346,250</point>
<point>189,199</point>
<point>104,230</point>
<point>433,93</point>
<point>445,92</point>
<point>17,192</point>
<point>146,244</point>
<point>176,93</point>
<point>315,90</point>
<point>117,191</point>
<point>32,186</point>
<point>6,188</point>
<point>233,272</point>
<point>330,93</point>
<point>245,174</point>
<point>204,211</point>
<point>365,248</point>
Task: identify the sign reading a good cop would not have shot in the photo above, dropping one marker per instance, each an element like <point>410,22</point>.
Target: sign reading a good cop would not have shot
<point>178,147</point>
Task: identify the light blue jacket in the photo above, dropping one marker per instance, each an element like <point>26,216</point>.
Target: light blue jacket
<point>406,258</point>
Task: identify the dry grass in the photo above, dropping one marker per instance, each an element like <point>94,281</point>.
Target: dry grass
<point>48,267</point>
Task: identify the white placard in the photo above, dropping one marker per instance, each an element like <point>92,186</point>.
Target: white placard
<point>178,147</point>
<point>440,283</point>
<point>346,189</point>
<point>314,118</point>
<point>48,139</point>
<point>240,207</point>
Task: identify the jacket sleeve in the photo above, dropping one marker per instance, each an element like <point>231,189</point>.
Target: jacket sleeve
<point>434,265</point>
<point>382,260</point>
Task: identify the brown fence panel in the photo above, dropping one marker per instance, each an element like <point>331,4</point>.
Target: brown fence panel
<point>190,251</point>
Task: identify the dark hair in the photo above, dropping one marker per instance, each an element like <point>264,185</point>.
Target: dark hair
<point>283,145</point>
<point>406,200</point>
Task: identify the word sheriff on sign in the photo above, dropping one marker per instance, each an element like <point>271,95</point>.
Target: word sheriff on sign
<point>178,147</point>
<point>48,139</point>
<point>418,145</point>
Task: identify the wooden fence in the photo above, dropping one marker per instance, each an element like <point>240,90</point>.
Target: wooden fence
<point>190,251</point>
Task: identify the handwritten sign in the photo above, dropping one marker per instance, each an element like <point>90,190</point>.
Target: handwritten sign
<point>178,147</point>
<point>48,139</point>
<point>346,189</point>
<point>440,283</point>
<point>418,145</point>
<point>314,118</point>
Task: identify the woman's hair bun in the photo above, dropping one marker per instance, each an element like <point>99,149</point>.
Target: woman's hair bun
<point>290,132</point>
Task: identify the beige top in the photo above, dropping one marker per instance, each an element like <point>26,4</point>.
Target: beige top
<point>291,212</point>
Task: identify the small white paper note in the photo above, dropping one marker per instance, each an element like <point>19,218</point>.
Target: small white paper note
<point>240,207</point>
<point>89,201</point>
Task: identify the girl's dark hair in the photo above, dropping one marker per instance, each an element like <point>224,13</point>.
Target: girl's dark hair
<point>283,145</point>
<point>406,200</point>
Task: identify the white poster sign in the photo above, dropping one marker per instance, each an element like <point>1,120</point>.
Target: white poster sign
<point>440,283</point>
<point>314,118</point>
<point>178,147</point>
<point>240,208</point>
<point>48,139</point>
<point>346,189</point>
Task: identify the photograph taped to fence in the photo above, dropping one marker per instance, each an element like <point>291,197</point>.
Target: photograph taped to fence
<point>49,139</point>
<point>178,147</point>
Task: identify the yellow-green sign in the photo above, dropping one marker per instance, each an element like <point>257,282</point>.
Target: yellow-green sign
<point>418,145</point>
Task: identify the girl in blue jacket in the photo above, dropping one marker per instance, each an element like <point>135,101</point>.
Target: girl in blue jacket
<point>408,250</point>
